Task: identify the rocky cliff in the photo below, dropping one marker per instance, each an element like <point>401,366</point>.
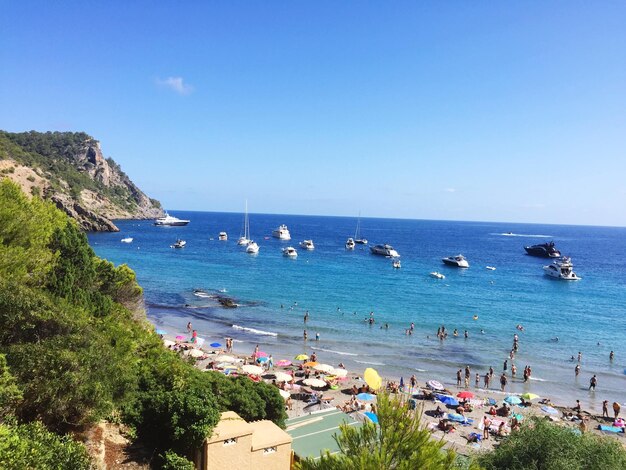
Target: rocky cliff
<point>69,169</point>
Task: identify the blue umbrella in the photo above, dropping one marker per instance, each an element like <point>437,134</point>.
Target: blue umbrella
<point>161,332</point>
<point>549,410</point>
<point>513,400</point>
<point>447,400</point>
<point>456,417</point>
<point>215,345</point>
<point>262,359</point>
<point>366,396</point>
<point>373,418</point>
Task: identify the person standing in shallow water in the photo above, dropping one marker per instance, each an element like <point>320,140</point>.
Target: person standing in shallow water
<point>458,377</point>
<point>593,382</point>
<point>503,381</point>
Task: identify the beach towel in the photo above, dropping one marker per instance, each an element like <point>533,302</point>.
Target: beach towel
<point>610,429</point>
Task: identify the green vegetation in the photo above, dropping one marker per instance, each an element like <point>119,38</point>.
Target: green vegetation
<point>399,442</point>
<point>542,445</point>
<point>76,349</point>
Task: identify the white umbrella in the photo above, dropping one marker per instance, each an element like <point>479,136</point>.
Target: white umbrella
<point>323,367</point>
<point>225,365</point>
<point>284,393</point>
<point>251,369</point>
<point>339,372</point>
<point>225,359</point>
<point>282,377</point>
<point>195,353</point>
<point>317,383</point>
<point>167,343</point>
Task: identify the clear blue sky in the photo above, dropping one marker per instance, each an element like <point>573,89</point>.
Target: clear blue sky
<point>511,111</point>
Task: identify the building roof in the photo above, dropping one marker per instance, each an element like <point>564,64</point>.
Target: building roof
<point>267,434</point>
<point>230,425</point>
<point>313,433</point>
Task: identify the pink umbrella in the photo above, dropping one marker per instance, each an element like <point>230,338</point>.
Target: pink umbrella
<point>180,338</point>
<point>283,363</point>
<point>261,354</point>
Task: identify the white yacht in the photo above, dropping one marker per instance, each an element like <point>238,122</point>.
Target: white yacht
<point>396,263</point>
<point>282,233</point>
<point>245,239</point>
<point>437,275</point>
<point>457,261</point>
<point>127,240</point>
<point>384,250</point>
<point>307,245</point>
<point>290,252</point>
<point>252,247</point>
<point>223,236</point>
<point>561,269</point>
<point>350,244</point>
<point>170,220</point>
<point>179,244</point>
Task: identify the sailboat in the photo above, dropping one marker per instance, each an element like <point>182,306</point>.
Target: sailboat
<point>357,233</point>
<point>245,239</point>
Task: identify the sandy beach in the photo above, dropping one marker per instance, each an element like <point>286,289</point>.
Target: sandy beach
<point>304,399</point>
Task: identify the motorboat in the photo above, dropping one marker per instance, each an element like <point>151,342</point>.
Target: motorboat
<point>457,261</point>
<point>396,264</point>
<point>350,244</point>
<point>252,247</point>
<point>245,239</point>
<point>281,233</point>
<point>437,275</point>
<point>307,245</point>
<point>384,250</point>
<point>127,240</point>
<point>170,220</point>
<point>490,268</point>
<point>544,250</point>
<point>357,233</point>
<point>290,252</point>
<point>223,236</point>
<point>561,269</point>
<point>179,244</point>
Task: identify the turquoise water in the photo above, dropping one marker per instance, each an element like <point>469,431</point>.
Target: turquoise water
<point>340,288</point>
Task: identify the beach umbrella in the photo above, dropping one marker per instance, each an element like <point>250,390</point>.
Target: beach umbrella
<point>215,345</point>
<point>465,394</point>
<point>372,417</point>
<point>263,359</point>
<point>447,400</point>
<point>161,332</point>
<point>311,363</point>
<point>180,338</point>
<point>339,372</point>
<point>251,369</point>
<point>284,393</point>
<point>323,367</point>
<point>316,383</point>
<point>260,354</point>
<point>457,417</point>
<point>167,343</point>
<point>199,341</point>
<point>401,382</point>
<point>283,363</point>
<point>513,400</point>
<point>372,378</point>
<point>434,385</point>
<point>366,396</point>
<point>224,358</point>
<point>529,396</point>
<point>301,357</point>
<point>549,410</point>
<point>282,377</point>
<point>195,353</point>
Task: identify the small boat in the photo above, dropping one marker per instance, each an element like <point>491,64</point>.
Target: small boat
<point>290,252</point>
<point>307,245</point>
<point>437,275</point>
<point>252,247</point>
<point>384,250</point>
<point>350,244</point>
<point>245,239</point>
<point>544,250</point>
<point>396,264</point>
<point>457,261</point>
<point>179,244</point>
<point>170,220</point>
<point>223,236</point>
<point>127,240</point>
<point>281,233</point>
<point>490,268</point>
<point>561,269</point>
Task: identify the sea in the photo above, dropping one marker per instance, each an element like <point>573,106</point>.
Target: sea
<point>342,289</point>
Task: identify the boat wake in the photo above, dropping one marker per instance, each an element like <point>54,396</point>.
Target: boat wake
<point>341,353</point>
<point>254,331</point>
<point>370,363</point>
<point>527,235</point>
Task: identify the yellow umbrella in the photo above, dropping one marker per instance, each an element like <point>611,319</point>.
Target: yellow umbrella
<point>301,357</point>
<point>372,378</point>
<point>529,396</point>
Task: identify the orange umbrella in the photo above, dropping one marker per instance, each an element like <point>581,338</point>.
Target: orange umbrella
<point>311,363</point>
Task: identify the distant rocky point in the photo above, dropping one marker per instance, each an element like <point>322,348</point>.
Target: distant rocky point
<point>69,169</point>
